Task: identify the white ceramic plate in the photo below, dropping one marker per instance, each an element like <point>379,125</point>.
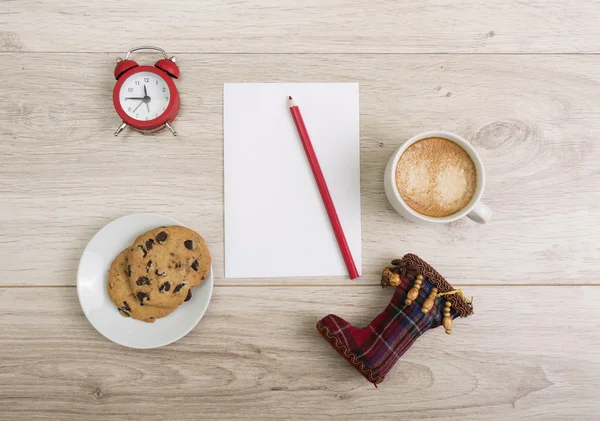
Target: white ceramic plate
<point>103,314</point>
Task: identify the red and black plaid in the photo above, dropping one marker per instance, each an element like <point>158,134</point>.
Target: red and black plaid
<point>374,349</point>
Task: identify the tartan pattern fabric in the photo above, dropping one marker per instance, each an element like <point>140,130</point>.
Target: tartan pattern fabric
<point>374,349</point>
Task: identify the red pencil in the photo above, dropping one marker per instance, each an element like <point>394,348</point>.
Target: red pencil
<point>325,196</point>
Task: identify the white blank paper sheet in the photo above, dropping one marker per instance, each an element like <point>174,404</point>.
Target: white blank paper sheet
<point>275,222</point>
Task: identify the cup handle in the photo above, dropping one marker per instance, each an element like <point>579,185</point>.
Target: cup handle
<point>481,213</point>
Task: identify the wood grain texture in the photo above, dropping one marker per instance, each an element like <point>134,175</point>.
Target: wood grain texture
<point>528,352</point>
<point>338,26</point>
<point>257,355</point>
<point>533,119</point>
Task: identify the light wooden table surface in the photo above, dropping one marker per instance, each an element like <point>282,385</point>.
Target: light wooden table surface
<point>520,80</point>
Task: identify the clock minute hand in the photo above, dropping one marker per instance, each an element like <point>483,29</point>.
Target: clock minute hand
<point>146,99</point>
<point>138,98</point>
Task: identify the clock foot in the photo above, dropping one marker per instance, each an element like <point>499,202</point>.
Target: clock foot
<point>171,128</point>
<point>120,129</point>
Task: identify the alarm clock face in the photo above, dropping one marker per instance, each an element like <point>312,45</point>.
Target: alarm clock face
<point>144,96</point>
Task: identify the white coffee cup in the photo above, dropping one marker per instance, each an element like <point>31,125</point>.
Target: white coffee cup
<point>475,210</point>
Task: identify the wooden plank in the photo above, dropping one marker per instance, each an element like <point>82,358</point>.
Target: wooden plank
<point>271,26</point>
<point>528,353</point>
<point>63,175</point>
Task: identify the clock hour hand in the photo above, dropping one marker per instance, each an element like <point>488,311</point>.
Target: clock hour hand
<point>138,98</point>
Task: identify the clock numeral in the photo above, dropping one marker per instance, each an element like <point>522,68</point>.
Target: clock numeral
<point>157,82</point>
<point>167,98</point>
<point>137,82</point>
<point>136,116</point>
<point>129,109</point>
<point>164,89</point>
<point>129,89</point>
<point>146,79</point>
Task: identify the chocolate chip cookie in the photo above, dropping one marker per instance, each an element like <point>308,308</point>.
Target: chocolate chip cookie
<point>166,263</point>
<point>120,292</point>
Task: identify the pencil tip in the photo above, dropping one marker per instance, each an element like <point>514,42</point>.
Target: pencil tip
<point>290,97</point>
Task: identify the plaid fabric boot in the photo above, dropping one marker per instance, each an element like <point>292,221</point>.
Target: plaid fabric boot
<point>420,303</point>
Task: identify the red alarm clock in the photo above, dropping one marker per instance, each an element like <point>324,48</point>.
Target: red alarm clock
<point>146,97</point>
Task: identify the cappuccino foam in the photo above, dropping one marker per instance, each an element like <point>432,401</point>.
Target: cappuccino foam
<point>436,177</point>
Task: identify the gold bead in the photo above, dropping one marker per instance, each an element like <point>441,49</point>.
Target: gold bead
<point>447,323</point>
<point>413,293</point>
<point>395,280</point>
<point>419,277</point>
<point>386,275</point>
<point>448,304</point>
<point>429,301</point>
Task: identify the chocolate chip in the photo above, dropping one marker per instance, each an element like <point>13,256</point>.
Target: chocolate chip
<point>159,273</point>
<point>177,265</point>
<point>195,265</point>
<point>164,287</point>
<point>142,280</point>
<point>161,237</point>
<point>203,277</point>
<point>128,270</point>
<point>143,251</point>
<point>172,254</point>
<point>189,244</point>
<point>141,296</point>
<point>149,244</point>
<point>148,265</point>
<point>178,288</point>
<point>125,310</point>
<point>189,296</point>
